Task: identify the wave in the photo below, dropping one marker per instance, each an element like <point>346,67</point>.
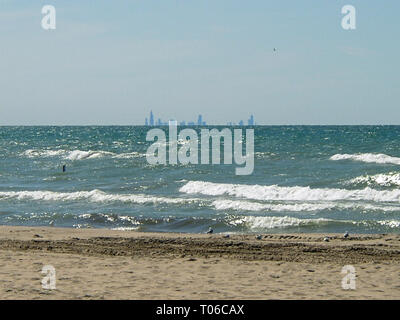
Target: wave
<point>386,180</point>
<point>368,157</point>
<point>93,196</point>
<point>297,207</point>
<point>253,222</point>
<point>394,224</point>
<point>79,154</point>
<point>262,223</point>
<point>219,205</point>
<point>105,217</point>
<point>254,206</point>
<point>296,193</point>
<point>31,153</point>
<point>129,155</point>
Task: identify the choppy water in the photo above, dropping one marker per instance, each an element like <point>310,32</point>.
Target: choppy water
<point>306,179</point>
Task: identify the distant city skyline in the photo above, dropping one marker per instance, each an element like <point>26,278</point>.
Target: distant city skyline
<point>287,62</point>
<point>150,121</point>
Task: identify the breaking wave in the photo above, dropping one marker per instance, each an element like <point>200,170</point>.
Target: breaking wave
<point>368,157</point>
<point>79,154</point>
<point>42,153</point>
<point>297,207</point>
<point>264,223</point>
<point>296,193</point>
<point>93,196</point>
<point>252,222</point>
<point>386,180</point>
<point>389,223</point>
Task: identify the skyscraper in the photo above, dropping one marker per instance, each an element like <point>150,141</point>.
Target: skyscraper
<point>200,120</point>
<point>151,118</point>
<point>250,122</point>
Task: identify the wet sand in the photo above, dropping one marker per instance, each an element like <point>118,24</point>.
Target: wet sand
<point>107,264</point>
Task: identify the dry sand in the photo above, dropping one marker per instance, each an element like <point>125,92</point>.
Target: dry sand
<point>107,264</point>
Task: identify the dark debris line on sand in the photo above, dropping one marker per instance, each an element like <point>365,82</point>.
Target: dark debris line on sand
<point>295,248</point>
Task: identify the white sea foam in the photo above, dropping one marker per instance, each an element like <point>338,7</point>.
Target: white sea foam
<point>110,218</point>
<point>296,193</point>
<point>368,157</point>
<point>79,154</point>
<point>31,153</point>
<point>253,222</point>
<point>387,180</point>
<point>128,155</point>
<point>278,207</point>
<point>257,223</point>
<point>239,205</point>
<point>395,224</point>
<point>93,196</point>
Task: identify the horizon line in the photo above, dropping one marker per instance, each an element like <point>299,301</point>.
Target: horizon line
<point>195,125</point>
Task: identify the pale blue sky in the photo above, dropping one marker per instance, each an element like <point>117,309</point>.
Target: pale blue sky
<point>110,62</point>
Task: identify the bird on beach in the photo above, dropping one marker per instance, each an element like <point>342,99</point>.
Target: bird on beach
<point>346,235</point>
<point>226,236</point>
<point>210,230</point>
<point>326,239</point>
<point>259,237</point>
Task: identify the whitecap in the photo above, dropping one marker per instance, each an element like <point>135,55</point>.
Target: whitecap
<point>93,196</point>
<point>253,222</point>
<point>387,180</point>
<point>368,158</point>
<point>239,205</point>
<point>295,193</point>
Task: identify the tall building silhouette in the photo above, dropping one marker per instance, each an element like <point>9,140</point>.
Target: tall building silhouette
<point>250,122</point>
<point>200,120</point>
<point>151,118</point>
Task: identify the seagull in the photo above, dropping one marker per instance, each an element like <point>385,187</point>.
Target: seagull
<point>210,230</point>
<point>226,236</point>
<point>346,235</point>
<point>259,237</point>
<point>326,239</point>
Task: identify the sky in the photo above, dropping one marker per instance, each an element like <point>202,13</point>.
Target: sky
<point>111,62</point>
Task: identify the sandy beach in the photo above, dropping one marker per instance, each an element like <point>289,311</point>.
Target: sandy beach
<point>107,264</point>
